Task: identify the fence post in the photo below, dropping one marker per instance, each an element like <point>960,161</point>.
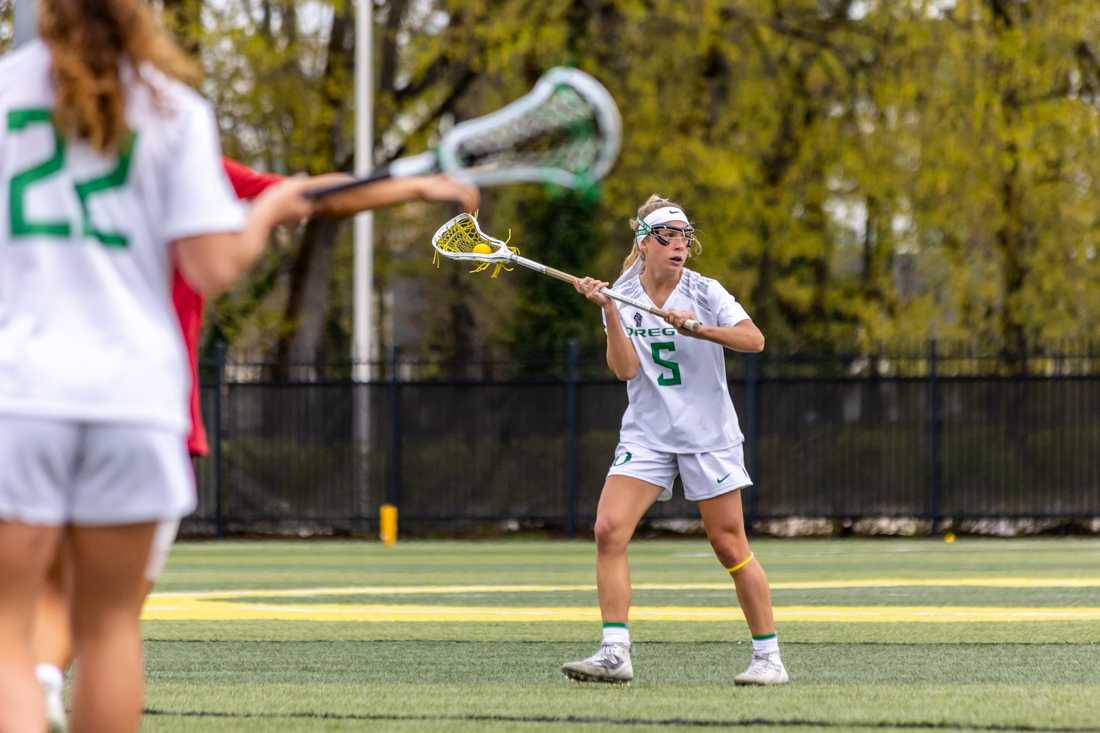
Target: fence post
<point>752,434</point>
<point>934,437</point>
<point>572,447</point>
<point>393,493</point>
<point>216,424</point>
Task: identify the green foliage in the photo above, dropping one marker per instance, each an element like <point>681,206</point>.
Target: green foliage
<point>7,29</point>
<point>559,229</point>
<point>859,172</point>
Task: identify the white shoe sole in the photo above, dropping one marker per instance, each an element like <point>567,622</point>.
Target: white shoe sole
<point>579,675</point>
<point>746,682</point>
<point>56,720</point>
<point>57,725</point>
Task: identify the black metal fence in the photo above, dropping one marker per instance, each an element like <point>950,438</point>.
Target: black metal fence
<point>929,434</point>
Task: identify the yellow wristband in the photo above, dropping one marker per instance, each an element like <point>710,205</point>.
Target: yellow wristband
<point>741,564</point>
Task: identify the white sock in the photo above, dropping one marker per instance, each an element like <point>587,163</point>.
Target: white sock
<point>769,645</point>
<point>616,635</point>
<point>49,676</point>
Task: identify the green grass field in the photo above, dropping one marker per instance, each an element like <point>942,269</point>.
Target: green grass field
<point>468,636</point>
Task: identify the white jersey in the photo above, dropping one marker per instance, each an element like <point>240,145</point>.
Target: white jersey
<point>87,330</point>
<point>679,399</point>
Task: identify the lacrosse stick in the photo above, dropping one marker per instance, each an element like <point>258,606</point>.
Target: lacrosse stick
<point>565,131</point>
<point>462,239</point>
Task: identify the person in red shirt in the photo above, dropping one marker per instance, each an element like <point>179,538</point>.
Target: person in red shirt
<point>248,184</point>
<point>53,636</point>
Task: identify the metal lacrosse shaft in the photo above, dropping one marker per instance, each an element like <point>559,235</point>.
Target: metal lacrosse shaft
<point>689,325</point>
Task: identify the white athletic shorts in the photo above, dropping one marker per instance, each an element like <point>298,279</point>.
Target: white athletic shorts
<point>704,475</point>
<point>163,540</point>
<point>57,472</point>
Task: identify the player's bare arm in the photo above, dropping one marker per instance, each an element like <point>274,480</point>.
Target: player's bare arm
<point>622,359</point>
<point>396,190</point>
<point>212,262</point>
<point>744,336</point>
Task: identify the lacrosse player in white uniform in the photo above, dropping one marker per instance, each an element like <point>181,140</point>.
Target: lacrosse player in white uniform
<point>111,168</point>
<point>679,421</point>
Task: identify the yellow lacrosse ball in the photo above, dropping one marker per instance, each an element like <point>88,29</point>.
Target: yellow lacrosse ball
<point>949,537</point>
<point>482,249</point>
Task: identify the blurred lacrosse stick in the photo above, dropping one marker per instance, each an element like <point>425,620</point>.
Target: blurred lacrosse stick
<point>566,131</point>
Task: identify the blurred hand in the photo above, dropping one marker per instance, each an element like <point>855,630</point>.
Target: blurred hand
<point>445,188</point>
<point>286,200</point>
<point>590,288</point>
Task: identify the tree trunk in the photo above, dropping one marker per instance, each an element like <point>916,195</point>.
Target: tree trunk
<point>307,302</point>
<point>1011,238</point>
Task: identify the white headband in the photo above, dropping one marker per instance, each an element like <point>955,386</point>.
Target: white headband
<point>662,216</point>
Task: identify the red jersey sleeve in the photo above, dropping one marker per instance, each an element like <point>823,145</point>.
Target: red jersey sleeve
<point>188,304</point>
<point>246,182</point>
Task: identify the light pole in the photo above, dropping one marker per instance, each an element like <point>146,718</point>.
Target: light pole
<point>362,261</point>
<point>362,351</point>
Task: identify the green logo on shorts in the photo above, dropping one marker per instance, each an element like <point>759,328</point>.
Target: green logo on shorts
<point>724,477</point>
<point>624,458</point>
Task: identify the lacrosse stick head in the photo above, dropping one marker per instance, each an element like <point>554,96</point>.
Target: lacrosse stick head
<point>461,238</point>
<point>565,131</point>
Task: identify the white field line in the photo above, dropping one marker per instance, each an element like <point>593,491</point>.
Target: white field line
<point>197,610</point>
<point>406,590</point>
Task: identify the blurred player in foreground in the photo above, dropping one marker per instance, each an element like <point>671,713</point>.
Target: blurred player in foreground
<point>53,636</point>
<point>113,169</point>
<point>679,420</point>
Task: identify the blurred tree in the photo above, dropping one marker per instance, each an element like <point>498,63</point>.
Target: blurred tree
<point>7,29</point>
<point>1005,185</point>
<point>560,231</point>
<point>859,172</point>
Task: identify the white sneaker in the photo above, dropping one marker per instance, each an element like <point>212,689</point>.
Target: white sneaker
<point>610,664</point>
<point>55,710</point>
<point>764,669</point>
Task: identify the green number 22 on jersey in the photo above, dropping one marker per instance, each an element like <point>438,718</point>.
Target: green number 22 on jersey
<point>21,182</point>
<point>673,375</point>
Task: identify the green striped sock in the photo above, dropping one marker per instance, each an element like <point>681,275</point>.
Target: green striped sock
<point>615,632</point>
<point>765,643</point>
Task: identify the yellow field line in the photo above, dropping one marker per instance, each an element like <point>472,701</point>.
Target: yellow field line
<point>978,582</point>
<point>180,608</point>
<point>221,605</point>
